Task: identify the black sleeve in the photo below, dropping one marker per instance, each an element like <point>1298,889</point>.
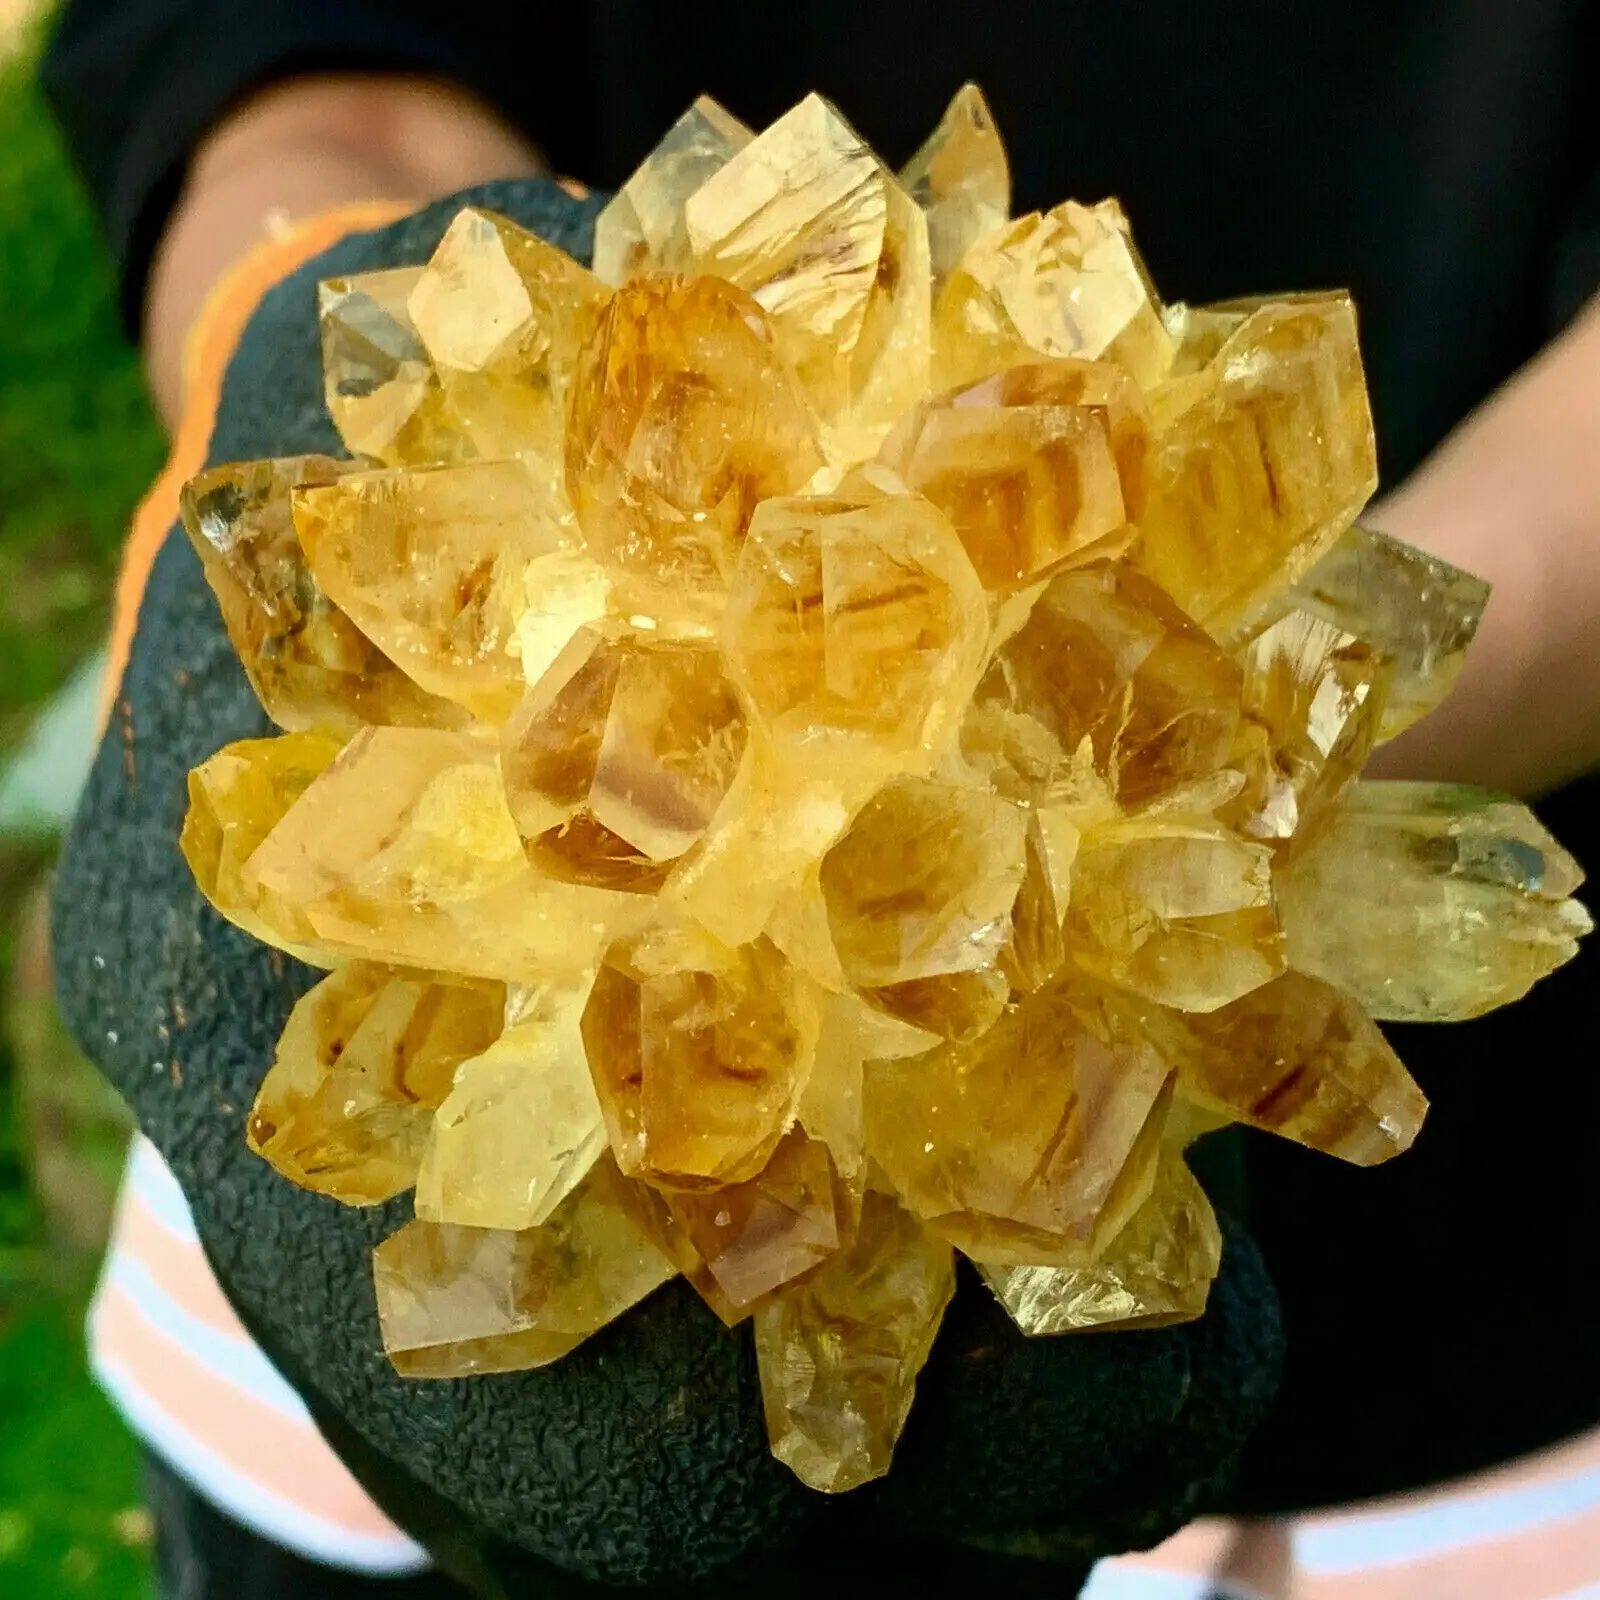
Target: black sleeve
<point>136,83</point>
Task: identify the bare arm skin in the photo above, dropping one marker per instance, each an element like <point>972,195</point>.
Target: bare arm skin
<point>1514,495</point>
<point>298,148</point>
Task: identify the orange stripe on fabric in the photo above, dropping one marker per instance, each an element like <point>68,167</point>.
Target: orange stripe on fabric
<point>179,1266</point>
<point>207,352</point>
<point>287,1459</point>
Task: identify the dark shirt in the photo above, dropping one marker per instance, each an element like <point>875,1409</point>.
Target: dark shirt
<point>1440,159</point>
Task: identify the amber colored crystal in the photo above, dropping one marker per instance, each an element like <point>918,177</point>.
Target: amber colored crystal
<point>683,415</point>
<point>236,799</point>
<point>381,390</point>
<point>808,220</point>
<point>840,1352</point>
<point>1066,282</point>
<point>832,740</point>
<point>1267,460</point>
<point>457,1301</point>
<point>430,564</point>
<point>1431,902</point>
<point>308,663</point>
<point>1036,948</point>
<point>1030,466</point>
<point>1105,655</point>
<point>1411,607</point>
<point>924,882</point>
<point>1157,1271</point>
<point>403,851</point>
<point>1313,699</point>
<point>751,1238</point>
<point>699,1070</point>
<point>521,1125</point>
<point>1299,1058</point>
<point>642,227</point>
<point>961,178</point>
<point>854,628</point>
<point>1175,908</point>
<point>362,1061</point>
<point>1034,1142</point>
<point>502,314</point>
<point>642,739</point>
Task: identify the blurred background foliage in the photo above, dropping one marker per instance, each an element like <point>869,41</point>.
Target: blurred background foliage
<point>78,444</point>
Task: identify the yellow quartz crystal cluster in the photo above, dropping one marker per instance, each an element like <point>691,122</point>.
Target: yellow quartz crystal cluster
<point>829,741</point>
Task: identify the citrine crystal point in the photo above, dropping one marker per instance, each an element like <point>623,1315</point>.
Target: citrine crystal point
<point>1417,611</point>
<point>839,1353</point>
<point>1177,909</point>
<point>642,228</point>
<point>1066,282</point>
<point>309,665</point>
<point>1014,1146</point>
<point>961,178</point>
<point>1106,656</point>
<point>429,563</point>
<point>808,220</point>
<point>361,1064</point>
<point>756,1236</point>
<point>1267,462</point>
<point>521,1125</point>
<point>1155,1272</point>
<point>380,388</point>
<point>854,630</point>
<point>1431,902</point>
<point>1299,1058</point>
<point>404,851</point>
<point>454,1302</point>
<point>683,415</point>
<point>924,882</point>
<point>699,1069</point>
<point>618,758</point>
<point>1038,468</point>
<point>236,799</point>
<point>1314,699</point>
<point>502,315</point>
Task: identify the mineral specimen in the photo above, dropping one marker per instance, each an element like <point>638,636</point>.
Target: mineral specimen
<point>381,390</point>
<point>521,1125</point>
<point>308,663</point>
<point>454,1301</point>
<point>840,1353</point>
<point>363,1063</point>
<point>1156,1271</point>
<point>1431,902</point>
<point>962,179</point>
<point>809,220</point>
<point>832,741</point>
<point>1259,462</point>
<point>643,228</point>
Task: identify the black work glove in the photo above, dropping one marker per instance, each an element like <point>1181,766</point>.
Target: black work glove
<point>640,1459</point>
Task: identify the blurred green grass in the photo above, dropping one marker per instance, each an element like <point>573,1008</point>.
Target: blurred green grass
<point>78,444</point>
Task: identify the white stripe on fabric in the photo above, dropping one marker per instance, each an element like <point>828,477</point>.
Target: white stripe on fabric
<point>236,1362</point>
<point>149,1176</point>
<point>246,1501</point>
<point>1392,1538</point>
<point>1113,1581</point>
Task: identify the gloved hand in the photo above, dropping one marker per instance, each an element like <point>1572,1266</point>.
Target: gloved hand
<point>641,1458</point>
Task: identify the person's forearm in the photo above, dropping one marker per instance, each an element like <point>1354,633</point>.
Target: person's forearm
<point>299,148</point>
<point>1514,495</point>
